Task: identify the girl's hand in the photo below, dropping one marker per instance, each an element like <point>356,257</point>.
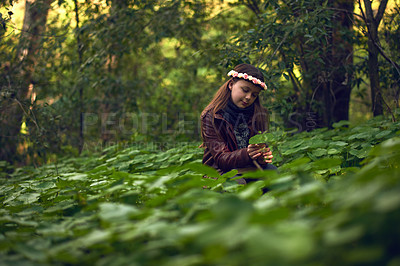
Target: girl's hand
<point>260,152</point>
<point>266,156</point>
<point>254,151</point>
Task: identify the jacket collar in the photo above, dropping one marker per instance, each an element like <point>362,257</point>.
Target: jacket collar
<point>219,116</point>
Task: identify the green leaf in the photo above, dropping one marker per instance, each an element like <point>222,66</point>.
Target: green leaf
<point>296,143</point>
<point>340,124</point>
<point>387,147</point>
<point>260,138</point>
<point>186,157</point>
<point>333,151</point>
<point>383,134</point>
<point>363,135</point>
<point>31,252</point>
<point>318,143</point>
<point>297,165</point>
<point>75,176</point>
<point>360,153</point>
<point>44,185</point>
<point>319,152</point>
<point>28,198</point>
<point>388,201</point>
<point>252,191</point>
<point>94,237</point>
<point>336,237</point>
<point>338,143</point>
<point>116,212</point>
<point>230,174</point>
<point>202,169</point>
<point>326,163</point>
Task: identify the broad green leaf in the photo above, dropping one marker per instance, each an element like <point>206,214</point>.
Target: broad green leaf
<point>318,143</point>
<point>62,205</point>
<point>260,138</point>
<point>388,201</point>
<point>363,135</point>
<point>340,124</point>
<point>260,174</point>
<point>75,176</point>
<point>336,237</point>
<point>319,152</point>
<point>230,174</point>
<point>252,191</point>
<point>298,164</point>
<point>186,157</point>
<point>326,163</point>
<point>333,151</point>
<point>44,185</point>
<point>28,198</point>
<point>387,147</point>
<point>360,153</point>
<point>383,134</point>
<point>94,237</point>
<point>296,143</point>
<point>31,252</point>
<point>19,221</point>
<point>202,169</point>
<point>338,143</point>
<point>116,212</point>
<point>306,193</point>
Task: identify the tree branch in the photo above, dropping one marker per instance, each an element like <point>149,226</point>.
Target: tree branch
<point>381,11</point>
<point>394,64</point>
<point>252,5</point>
<point>368,9</point>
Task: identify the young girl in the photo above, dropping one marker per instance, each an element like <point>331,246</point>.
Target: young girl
<point>233,116</point>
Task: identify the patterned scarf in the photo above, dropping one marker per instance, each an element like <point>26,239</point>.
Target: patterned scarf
<point>238,118</point>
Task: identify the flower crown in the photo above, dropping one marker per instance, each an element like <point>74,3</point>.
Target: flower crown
<point>255,80</point>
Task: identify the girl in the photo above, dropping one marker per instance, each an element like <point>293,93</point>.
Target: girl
<point>233,116</point>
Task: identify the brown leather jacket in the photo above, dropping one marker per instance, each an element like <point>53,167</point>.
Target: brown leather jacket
<point>221,149</point>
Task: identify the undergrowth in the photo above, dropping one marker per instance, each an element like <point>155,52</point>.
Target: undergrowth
<point>334,200</point>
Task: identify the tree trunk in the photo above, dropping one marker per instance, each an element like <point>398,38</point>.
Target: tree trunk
<point>326,74</point>
<point>20,75</point>
<point>331,81</point>
<point>111,105</point>
<point>80,58</point>
<point>342,50</point>
<point>372,23</point>
<point>373,71</point>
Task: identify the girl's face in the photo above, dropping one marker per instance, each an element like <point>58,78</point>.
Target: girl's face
<point>244,93</point>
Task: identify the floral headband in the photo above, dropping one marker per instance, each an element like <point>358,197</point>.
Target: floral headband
<point>255,80</point>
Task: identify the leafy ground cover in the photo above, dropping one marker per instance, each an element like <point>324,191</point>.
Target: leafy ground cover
<point>335,200</point>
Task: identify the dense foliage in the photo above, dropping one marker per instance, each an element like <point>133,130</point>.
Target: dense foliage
<point>336,199</point>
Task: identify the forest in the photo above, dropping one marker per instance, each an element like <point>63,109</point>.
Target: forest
<point>100,158</point>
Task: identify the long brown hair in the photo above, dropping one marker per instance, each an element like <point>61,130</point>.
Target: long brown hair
<point>222,96</point>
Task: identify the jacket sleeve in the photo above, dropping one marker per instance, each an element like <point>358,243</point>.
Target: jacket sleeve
<point>217,144</point>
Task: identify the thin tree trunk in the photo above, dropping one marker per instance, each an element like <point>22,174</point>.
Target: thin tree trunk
<point>372,23</point>
<point>80,58</point>
<point>20,77</point>
<point>373,71</point>
<point>110,104</point>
